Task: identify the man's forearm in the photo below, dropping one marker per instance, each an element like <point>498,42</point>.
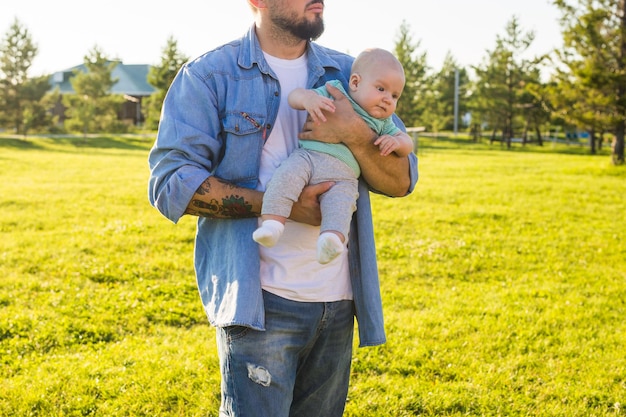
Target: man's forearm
<point>218,199</point>
<point>386,174</point>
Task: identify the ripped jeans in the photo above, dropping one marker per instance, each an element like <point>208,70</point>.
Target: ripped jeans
<point>299,366</point>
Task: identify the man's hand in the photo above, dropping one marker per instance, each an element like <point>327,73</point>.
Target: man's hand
<point>342,125</point>
<point>307,208</point>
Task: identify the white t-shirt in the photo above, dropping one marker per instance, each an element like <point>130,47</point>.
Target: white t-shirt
<point>290,268</point>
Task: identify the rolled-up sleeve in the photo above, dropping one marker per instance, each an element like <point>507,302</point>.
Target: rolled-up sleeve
<point>186,147</point>
<point>413,172</point>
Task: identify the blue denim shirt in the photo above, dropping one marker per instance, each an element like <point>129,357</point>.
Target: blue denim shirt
<point>216,114</point>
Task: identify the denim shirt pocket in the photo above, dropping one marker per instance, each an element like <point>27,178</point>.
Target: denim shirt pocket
<point>242,145</point>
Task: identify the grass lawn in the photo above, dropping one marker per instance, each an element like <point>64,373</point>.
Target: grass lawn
<point>503,278</point>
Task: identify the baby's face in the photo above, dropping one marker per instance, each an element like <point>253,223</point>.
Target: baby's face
<point>377,90</point>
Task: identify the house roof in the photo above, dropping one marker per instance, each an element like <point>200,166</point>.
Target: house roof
<point>132,80</point>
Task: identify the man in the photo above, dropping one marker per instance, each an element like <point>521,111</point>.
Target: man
<point>284,322</point>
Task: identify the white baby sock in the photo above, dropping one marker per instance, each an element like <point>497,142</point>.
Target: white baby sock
<point>329,246</point>
<point>269,233</point>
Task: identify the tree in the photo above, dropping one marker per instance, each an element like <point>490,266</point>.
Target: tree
<point>17,92</point>
<point>160,77</point>
<point>536,110</point>
<point>411,106</point>
<point>439,99</point>
<point>93,108</point>
<point>500,92</point>
<point>591,85</point>
<point>35,114</point>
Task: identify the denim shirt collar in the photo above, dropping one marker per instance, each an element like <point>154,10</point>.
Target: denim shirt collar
<point>251,53</point>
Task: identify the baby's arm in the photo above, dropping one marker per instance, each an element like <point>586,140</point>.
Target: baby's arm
<point>401,144</point>
<point>309,100</point>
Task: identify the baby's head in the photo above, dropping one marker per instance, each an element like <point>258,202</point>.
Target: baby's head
<point>376,82</point>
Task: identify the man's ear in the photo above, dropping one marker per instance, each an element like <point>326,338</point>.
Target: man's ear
<point>355,79</point>
<point>259,4</point>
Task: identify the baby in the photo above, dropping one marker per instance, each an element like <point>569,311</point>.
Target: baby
<point>376,82</point>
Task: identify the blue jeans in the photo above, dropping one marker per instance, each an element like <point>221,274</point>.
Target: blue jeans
<point>299,366</point>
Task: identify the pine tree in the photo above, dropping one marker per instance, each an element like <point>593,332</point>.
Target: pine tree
<point>411,106</point>
<point>160,77</point>
<point>500,92</point>
<point>591,80</point>
<point>17,52</point>
<point>92,108</point>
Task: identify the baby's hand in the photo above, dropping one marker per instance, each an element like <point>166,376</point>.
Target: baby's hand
<point>316,105</point>
<point>387,144</point>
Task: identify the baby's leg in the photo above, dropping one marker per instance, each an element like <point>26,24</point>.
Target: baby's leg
<point>283,190</point>
<point>337,206</point>
<point>269,232</point>
<point>329,246</point>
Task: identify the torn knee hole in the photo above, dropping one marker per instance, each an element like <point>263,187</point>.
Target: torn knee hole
<point>259,375</point>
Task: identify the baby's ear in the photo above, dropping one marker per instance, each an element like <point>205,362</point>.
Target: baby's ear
<point>355,79</point>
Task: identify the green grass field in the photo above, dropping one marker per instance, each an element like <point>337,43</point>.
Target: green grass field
<point>503,277</point>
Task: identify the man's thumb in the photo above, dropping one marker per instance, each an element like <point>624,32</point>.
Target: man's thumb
<point>322,187</point>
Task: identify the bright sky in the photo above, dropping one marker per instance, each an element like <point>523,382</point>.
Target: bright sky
<point>136,31</point>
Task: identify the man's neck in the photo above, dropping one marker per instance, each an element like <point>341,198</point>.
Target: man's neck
<point>278,43</point>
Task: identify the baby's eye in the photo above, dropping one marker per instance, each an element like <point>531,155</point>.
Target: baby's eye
<point>381,89</point>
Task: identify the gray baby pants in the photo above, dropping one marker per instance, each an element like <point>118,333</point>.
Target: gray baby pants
<point>304,167</point>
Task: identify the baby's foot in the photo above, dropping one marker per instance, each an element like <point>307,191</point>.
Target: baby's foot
<point>329,246</point>
<point>269,233</point>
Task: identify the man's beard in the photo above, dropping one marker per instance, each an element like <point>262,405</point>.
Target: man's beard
<point>302,29</point>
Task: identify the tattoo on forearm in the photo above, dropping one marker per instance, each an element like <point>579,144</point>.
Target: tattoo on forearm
<point>226,183</point>
<point>202,208</point>
<point>236,207</point>
<point>205,188</point>
<point>233,207</point>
